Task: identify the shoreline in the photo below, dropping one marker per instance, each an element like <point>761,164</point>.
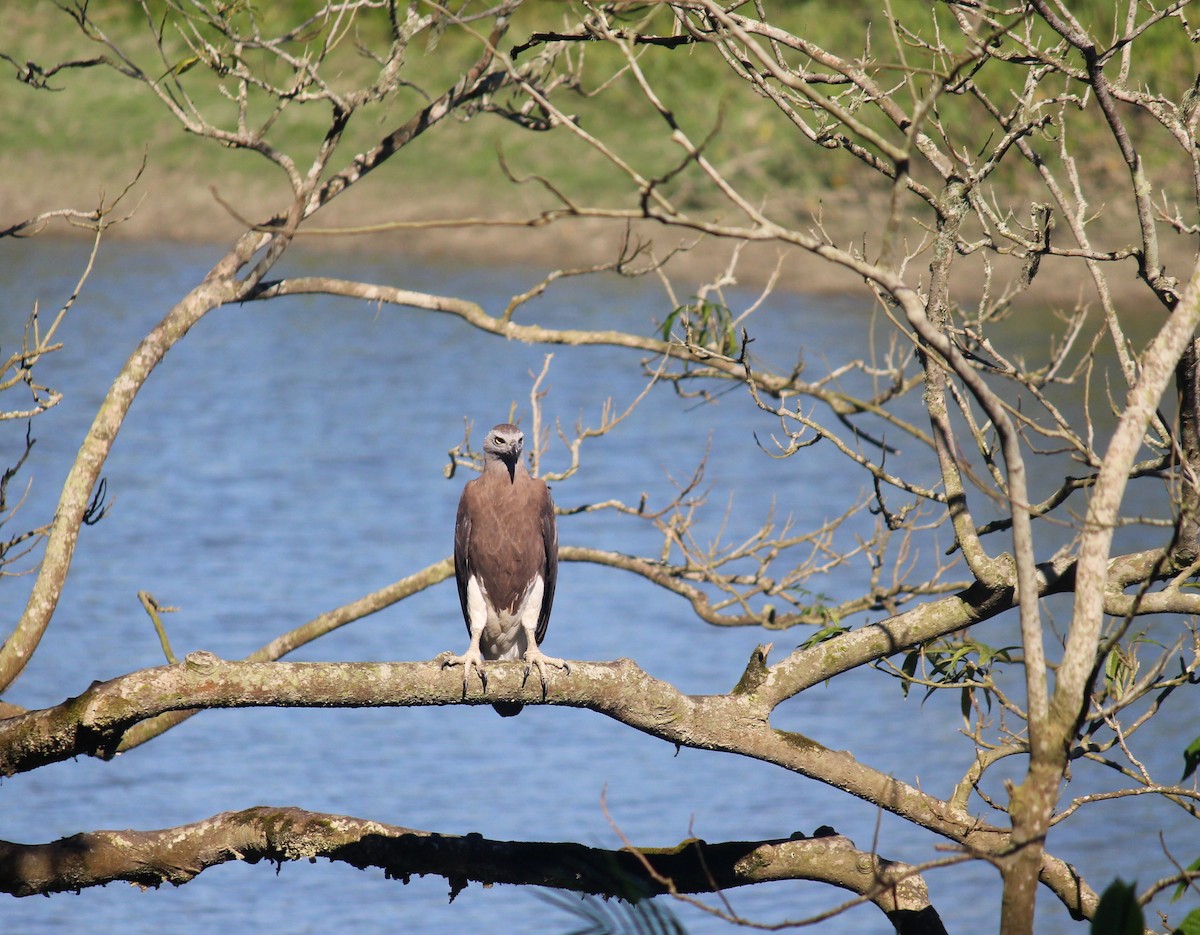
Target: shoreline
<point>181,207</point>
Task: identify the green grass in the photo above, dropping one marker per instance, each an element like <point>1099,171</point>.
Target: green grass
<point>104,122</point>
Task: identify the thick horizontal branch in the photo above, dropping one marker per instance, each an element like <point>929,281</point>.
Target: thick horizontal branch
<point>933,619</point>
<point>95,722</point>
<point>306,633</point>
<point>177,855</point>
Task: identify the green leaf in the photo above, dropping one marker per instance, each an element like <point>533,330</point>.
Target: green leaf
<point>184,66</point>
<point>909,668</point>
<point>1191,758</point>
<point>827,633</point>
<point>731,340</point>
<point>1191,924</point>
<point>670,322</point>
<point>1119,912</point>
<point>617,917</point>
<point>1193,867</point>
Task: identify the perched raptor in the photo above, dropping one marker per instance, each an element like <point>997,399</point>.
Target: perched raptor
<point>506,563</point>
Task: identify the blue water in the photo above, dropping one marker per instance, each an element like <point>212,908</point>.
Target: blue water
<point>288,457</point>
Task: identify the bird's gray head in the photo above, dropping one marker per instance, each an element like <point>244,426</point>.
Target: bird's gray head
<point>504,443</point>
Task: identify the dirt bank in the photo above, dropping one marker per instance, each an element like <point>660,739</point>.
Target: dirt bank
<point>186,206</point>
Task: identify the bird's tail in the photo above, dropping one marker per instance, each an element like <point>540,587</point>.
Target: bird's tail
<point>508,708</point>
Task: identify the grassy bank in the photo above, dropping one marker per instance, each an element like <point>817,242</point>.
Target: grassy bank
<point>90,129</point>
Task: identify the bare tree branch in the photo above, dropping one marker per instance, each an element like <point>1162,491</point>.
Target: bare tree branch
<point>178,855</point>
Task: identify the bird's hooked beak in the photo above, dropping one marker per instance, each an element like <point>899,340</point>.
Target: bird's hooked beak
<point>510,457</point>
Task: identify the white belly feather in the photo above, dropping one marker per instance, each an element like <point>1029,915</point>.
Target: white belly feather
<point>504,635</point>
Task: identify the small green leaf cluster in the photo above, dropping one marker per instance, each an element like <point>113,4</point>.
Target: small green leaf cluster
<point>964,663</point>
<point>704,324</point>
<point>1120,911</point>
<point>825,633</point>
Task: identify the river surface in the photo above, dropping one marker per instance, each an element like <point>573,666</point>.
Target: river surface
<point>288,457</point>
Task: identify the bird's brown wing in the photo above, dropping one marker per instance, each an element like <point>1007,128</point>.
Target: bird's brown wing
<point>550,568</point>
<point>505,534</point>
<point>462,550</point>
